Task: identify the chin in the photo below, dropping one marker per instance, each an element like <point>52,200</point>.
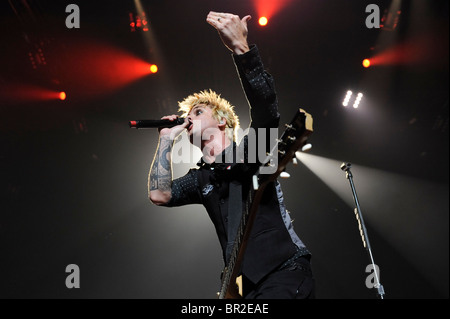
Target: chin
<point>194,138</point>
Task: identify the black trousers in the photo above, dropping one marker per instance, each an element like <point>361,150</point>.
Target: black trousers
<point>292,281</point>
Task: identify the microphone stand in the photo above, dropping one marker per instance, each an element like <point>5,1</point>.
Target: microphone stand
<point>362,229</point>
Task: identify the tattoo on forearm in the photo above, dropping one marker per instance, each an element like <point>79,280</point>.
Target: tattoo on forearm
<point>165,169</point>
<point>160,176</point>
<point>153,177</point>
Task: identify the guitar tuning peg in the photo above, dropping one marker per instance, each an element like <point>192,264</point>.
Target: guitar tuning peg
<point>289,127</point>
<point>294,160</point>
<point>306,147</point>
<point>285,174</point>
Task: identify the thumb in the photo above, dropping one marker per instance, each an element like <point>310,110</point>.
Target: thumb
<point>246,19</point>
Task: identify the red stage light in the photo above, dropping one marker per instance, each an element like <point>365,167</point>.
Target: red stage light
<point>366,63</point>
<point>98,68</point>
<point>153,68</point>
<point>269,8</point>
<point>20,93</point>
<point>263,21</point>
<point>422,49</point>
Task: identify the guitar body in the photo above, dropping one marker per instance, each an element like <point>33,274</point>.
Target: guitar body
<point>235,290</point>
<point>293,138</point>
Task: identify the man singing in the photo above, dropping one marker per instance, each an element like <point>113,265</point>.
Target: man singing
<point>276,263</point>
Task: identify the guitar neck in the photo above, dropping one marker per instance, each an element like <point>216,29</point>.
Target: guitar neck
<point>293,138</point>
<point>234,264</point>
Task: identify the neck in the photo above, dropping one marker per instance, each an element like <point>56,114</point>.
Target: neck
<point>214,146</point>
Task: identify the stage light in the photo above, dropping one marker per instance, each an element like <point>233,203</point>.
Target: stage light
<point>263,21</point>
<point>100,65</point>
<point>347,98</point>
<point>153,68</point>
<point>366,63</point>
<point>138,21</point>
<point>268,9</point>
<point>390,19</point>
<point>358,100</point>
<point>20,93</point>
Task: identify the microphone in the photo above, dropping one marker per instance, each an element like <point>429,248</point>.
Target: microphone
<point>156,123</point>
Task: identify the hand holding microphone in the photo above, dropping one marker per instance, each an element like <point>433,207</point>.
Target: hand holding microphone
<point>170,125</point>
<point>176,129</point>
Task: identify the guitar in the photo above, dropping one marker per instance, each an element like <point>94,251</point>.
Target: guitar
<point>294,137</point>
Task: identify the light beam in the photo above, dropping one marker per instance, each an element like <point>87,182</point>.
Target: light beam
<point>402,209</point>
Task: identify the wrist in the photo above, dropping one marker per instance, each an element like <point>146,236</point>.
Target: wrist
<point>241,48</point>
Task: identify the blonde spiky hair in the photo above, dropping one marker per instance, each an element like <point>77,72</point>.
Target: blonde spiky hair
<point>221,109</point>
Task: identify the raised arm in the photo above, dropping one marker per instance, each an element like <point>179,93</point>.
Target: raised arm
<point>258,84</point>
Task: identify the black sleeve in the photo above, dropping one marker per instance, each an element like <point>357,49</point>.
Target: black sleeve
<point>259,88</point>
<point>185,190</point>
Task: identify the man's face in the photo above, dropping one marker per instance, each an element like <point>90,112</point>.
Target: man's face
<point>201,119</point>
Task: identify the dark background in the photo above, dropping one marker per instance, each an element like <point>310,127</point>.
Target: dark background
<point>73,175</point>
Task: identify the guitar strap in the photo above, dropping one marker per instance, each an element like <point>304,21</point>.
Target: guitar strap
<point>234,214</point>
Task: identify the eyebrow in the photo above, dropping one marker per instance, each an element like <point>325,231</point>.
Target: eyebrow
<point>196,107</point>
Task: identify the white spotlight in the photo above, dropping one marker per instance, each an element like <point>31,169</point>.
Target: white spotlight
<point>347,98</point>
<point>358,100</point>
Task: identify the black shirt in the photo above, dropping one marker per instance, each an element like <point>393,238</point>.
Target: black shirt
<point>273,239</point>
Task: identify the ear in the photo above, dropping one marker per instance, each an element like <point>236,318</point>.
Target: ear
<point>222,122</point>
